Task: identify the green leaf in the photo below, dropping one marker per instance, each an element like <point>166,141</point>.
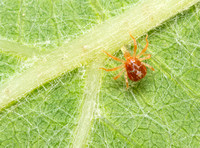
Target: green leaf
<point>53,94</point>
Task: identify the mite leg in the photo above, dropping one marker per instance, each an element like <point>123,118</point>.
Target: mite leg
<point>135,45</point>
<point>115,58</point>
<point>145,48</point>
<point>148,56</point>
<point>148,66</point>
<point>125,75</point>
<point>120,73</point>
<point>113,69</point>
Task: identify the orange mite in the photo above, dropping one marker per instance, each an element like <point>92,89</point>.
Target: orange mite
<point>135,68</point>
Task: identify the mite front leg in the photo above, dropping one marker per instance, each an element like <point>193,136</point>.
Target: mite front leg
<point>115,58</point>
<point>113,69</point>
<point>135,45</point>
<point>145,48</point>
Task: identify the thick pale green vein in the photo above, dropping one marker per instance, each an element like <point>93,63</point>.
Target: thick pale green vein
<point>91,95</point>
<point>110,36</point>
<point>17,49</point>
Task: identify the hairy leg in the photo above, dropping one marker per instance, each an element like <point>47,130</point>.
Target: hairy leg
<point>148,56</point>
<point>145,48</point>
<point>135,45</point>
<point>113,69</point>
<point>148,66</point>
<point>115,58</point>
<point>120,73</point>
<point>125,75</point>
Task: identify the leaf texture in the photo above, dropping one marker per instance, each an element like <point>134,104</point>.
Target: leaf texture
<point>82,106</point>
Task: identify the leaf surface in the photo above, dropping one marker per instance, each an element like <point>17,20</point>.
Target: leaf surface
<point>81,105</point>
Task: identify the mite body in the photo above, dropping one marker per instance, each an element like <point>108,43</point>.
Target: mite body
<point>133,65</point>
<point>135,69</point>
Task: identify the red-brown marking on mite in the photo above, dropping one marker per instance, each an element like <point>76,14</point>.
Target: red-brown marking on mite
<point>135,68</point>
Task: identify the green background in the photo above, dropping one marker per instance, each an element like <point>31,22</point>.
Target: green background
<point>162,110</point>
